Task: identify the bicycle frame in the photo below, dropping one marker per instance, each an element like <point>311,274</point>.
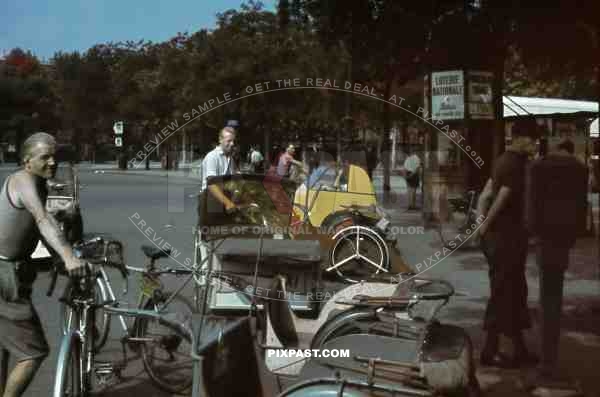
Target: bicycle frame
<point>150,277</point>
<point>81,338</point>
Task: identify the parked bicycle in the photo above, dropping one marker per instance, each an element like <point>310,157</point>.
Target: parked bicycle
<point>462,221</point>
<point>165,353</point>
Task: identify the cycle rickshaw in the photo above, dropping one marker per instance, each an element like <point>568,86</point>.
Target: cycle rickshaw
<point>262,290</point>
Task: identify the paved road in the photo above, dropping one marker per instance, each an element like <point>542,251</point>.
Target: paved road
<point>117,203</point>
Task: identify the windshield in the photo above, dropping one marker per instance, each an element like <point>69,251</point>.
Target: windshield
<point>322,176</point>
<point>272,195</point>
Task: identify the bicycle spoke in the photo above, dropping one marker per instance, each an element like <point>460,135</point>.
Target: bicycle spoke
<point>166,354</point>
<point>340,263</point>
<point>370,262</point>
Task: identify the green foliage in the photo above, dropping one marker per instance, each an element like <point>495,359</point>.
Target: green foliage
<point>26,96</point>
<point>381,43</point>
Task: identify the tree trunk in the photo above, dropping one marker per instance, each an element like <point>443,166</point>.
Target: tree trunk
<point>594,228</point>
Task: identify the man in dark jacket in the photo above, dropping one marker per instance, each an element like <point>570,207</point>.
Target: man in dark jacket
<point>555,211</point>
<point>504,243</point>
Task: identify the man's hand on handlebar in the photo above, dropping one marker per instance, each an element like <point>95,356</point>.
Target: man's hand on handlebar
<point>243,207</point>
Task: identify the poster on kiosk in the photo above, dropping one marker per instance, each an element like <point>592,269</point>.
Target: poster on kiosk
<point>447,95</point>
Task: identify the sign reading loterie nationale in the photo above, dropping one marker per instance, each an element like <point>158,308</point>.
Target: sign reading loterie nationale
<point>447,95</point>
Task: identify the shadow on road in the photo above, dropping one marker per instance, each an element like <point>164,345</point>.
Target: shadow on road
<point>579,352</point>
<point>140,387</point>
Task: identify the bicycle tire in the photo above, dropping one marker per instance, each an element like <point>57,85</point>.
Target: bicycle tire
<point>374,241</point>
<point>101,334</point>
<point>168,377</point>
<point>68,381</point>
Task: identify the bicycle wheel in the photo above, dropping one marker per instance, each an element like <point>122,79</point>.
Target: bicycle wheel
<point>167,357</point>
<point>358,254</point>
<point>102,326</point>
<point>70,380</point>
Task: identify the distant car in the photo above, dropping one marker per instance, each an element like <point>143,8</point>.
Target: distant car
<point>329,204</point>
<point>345,209</point>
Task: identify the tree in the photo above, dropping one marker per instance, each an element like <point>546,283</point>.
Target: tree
<point>27,97</point>
<point>82,86</point>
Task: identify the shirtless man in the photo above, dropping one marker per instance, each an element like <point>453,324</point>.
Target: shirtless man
<point>23,221</point>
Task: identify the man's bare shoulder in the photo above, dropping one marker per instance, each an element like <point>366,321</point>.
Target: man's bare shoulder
<point>23,186</point>
<point>22,178</point>
<point>19,182</point>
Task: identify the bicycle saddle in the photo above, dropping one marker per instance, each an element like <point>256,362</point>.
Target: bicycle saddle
<point>154,252</point>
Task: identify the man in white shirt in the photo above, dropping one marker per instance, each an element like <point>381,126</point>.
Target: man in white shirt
<point>217,162</point>
<point>256,159</point>
<point>412,166</point>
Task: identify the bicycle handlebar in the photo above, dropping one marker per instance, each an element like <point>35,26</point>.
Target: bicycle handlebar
<point>97,253</point>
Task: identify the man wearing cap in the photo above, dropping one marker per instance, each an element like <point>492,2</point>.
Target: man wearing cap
<point>286,160</point>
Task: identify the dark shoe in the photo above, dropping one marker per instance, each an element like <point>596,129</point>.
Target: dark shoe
<point>526,359</point>
<point>496,360</point>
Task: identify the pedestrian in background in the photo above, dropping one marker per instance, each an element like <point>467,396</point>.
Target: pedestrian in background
<point>555,212</point>
<point>412,167</point>
<point>371,159</point>
<point>504,241</point>
<point>312,156</point>
<point>286,161</point>
<point>256,160</point>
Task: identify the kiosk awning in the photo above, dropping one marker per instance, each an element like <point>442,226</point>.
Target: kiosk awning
<point>515,106</point>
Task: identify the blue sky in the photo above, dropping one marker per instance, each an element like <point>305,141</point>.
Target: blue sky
<point>47,26</point>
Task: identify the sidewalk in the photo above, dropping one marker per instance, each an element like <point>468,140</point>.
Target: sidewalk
<point>579,355</point>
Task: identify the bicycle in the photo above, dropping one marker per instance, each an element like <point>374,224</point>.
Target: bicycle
<point>164,354</point>
<point>462,221</point>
